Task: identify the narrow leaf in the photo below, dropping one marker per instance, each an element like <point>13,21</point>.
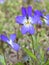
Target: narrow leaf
<point>30,53</point>
<point>19,63</point>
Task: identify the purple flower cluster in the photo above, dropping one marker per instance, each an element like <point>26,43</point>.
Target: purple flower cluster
<point>27,20</point>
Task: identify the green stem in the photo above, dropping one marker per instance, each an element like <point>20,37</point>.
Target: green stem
<point>34,62</point>
<point>33,44</point>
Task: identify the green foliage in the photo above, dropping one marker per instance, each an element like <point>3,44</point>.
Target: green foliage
<point>47,5</point>
<point>19,35</point>
<point>47,63</point>
<point>42,56</point>
<point>29,53</point>
<point>1,28</point>
<point>2,60</point>
<point>19,63</point>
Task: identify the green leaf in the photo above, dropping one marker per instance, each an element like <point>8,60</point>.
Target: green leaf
<point>47,63</point>
<point>1,27</point>
<point>30,53</point>
<point>43,32</point>
<point>35,41</point>
<point>2,61</point>
<point>19,63</point>
<point>42,56</point>
<point>19,35</point>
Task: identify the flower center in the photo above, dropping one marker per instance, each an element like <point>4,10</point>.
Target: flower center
<point>27,22</point>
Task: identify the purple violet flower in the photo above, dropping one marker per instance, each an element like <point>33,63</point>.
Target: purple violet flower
<point>2,1</point>
<point>37,16</point>
<point>26,20</point>
<point>38,20</point>
<point>10,41</point>
<point>39,13</point>
<point>46,19</point>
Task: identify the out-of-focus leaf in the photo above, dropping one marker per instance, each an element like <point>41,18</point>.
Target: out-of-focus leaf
<point>36,40</point>
<point>2,60</point>
<point>30,53</point>
<point>47,63</point>
<point>19,35</point>
<point>19,63</point>
<point>1,27</point>
<point>42,56</point>
<point>42,32</point>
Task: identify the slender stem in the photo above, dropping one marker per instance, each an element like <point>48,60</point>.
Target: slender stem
<point>33,49</point>
<point>33,44</point>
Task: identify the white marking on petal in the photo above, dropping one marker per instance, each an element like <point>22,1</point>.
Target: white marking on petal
<point>46,21</point>
<point>30,19</point>
<point>27,22</point>
<point>10,42</point>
